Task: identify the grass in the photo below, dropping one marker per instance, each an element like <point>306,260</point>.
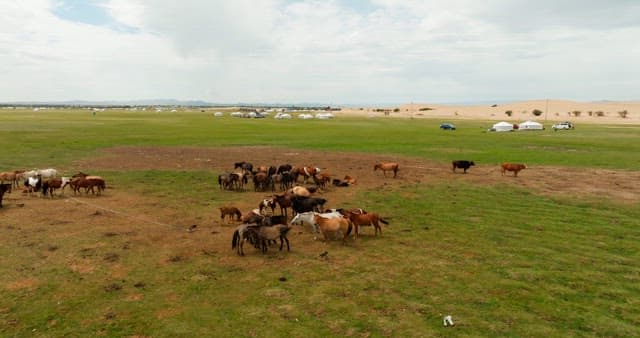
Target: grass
<point>55,138</point>
<point>501,261</point>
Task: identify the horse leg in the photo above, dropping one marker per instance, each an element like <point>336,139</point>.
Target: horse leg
<point>286,239</point>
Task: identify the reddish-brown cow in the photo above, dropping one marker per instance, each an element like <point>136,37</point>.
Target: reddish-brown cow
<point>515,167</point>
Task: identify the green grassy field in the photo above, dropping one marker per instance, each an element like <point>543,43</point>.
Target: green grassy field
<point>502,261</point>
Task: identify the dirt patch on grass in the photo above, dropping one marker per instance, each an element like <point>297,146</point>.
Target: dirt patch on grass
<point>26,283</point>
<point>618,185</point>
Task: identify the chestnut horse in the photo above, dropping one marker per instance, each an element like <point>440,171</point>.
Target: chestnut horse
<point>361,218</point>
<point>305,172</point>
<point>230,211</point>
<point>390,166</point>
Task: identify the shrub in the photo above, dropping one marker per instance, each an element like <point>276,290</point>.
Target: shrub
<point>537,112</point>
<point>599,113</point>
<point>426,108</point>
<point>396,110</point>
<point>623,113</point>
<point>576,113</point>
<point>590,113</point>
<point>509,112</point>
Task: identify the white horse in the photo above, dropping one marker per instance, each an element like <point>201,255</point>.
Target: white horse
<point>48,173</point>
<point>30,173</point>
<point>307,218</point>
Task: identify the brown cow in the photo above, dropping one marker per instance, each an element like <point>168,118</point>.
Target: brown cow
<point>515,167</point>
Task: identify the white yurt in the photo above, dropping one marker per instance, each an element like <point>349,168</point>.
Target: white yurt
<point>502,126</point>
<point>530,125</point>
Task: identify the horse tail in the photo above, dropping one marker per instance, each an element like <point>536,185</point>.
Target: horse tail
<point>235,241</point>
<point>383,221</point>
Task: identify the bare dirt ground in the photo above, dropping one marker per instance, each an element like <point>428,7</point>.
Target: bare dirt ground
<point>142,221</point>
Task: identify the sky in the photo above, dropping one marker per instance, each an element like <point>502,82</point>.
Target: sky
<point>330,52</point>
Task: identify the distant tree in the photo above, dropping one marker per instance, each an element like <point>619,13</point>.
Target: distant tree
<point>537,112</point>
<point>599,113</point>
<point>509,113</point>
<point>623,113</point>
<point>396,110</point>
<point>576,113</point>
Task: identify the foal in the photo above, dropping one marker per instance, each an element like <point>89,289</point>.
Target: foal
<point>230,211</point>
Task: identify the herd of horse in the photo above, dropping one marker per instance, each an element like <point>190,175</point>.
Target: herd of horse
<point>46,181</point>
<point>261,226</point>
<point>273,178</point>
<point>307,208</point>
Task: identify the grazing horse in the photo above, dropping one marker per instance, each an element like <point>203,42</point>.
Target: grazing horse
<point>238,179</point>
<point>322,179</point>
<point>224,181</point>
<point>88,183</point>
<point>361,218</point>
<point>244,233</point>
<point>271,233</point>
<point>515,167</point>
<point>48,186</point>
<point>390,166</point>
<point>462,164</point>
<point>4,187</point>
<point>230,211</point>
<point>261,181</point>
<point>333,225</point>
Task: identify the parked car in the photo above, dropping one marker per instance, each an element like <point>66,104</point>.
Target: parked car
<point>562,125</point>
<point>447,126</point>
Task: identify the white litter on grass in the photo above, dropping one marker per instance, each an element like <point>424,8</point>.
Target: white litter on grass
<point>447,321</point>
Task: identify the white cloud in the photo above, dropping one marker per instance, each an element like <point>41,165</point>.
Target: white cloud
<point>322,51</point>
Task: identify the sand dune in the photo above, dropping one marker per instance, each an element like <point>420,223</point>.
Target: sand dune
<point>552,110</point>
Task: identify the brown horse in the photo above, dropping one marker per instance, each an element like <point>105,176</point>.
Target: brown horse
<point>230,211</point>
<point>88,183</point>
<point>305,172</point>
<point>390,166</point>
<point>333,225</point>
<point>284,202</point>
<point>361,218</point>
<point>322,179</point>
<point>12,176</point>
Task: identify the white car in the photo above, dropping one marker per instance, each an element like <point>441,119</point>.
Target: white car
<point>562,125</point>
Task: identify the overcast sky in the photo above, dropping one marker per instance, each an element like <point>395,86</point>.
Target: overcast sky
<point>333,52</point>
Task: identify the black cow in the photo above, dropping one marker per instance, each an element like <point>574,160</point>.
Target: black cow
<point>463,164</point>
<point>4,187</point>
